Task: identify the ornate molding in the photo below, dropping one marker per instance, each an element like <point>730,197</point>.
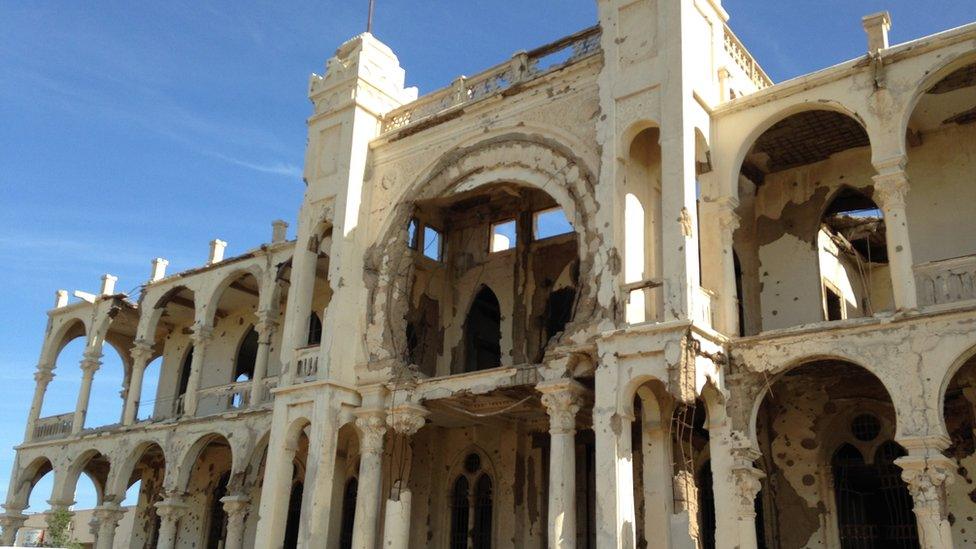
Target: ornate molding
<point>563,399</point>
<point>372,430</point>
<point>236,505</point>
<point>928,479</point>
<point>141,351</point>
<point>407,418</point>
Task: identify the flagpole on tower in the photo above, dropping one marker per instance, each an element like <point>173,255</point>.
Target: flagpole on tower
<point>369,20</point>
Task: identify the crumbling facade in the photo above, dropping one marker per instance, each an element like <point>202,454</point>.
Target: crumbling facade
<point>617,291</point>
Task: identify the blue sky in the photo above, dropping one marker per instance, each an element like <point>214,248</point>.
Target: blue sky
<point>133,131</point>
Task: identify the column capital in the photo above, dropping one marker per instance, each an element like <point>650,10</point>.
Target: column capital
<point>141,351</point>
<point>172,508</point>
<point>202,334</point>
<point>927,478</point>
<point>43,375</point>
<point>407,418</point>
<point>372,428</point>
<point>236,504</point>
<point>563,399</point>
<point>92,360</point>
<point>267,322</point>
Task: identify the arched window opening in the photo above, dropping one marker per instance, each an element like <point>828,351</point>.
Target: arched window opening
<point>483,332</point>
<point>62,392</point>
<point>247,356</point>
<point>423,335</point>
<point>184,379</point>
<point>874,508</point>
<point>852,256</point>
<point>150,386</point>
<point>472,509</point>
<point>314,330</point>
<point>481,530</point>
<point>460,511</point>
<point>217,530</point>
<point>294,515</point>
<point>348,513</point>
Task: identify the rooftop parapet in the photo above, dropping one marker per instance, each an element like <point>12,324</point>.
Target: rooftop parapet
<point>522,67</point>
<point>745,60</point>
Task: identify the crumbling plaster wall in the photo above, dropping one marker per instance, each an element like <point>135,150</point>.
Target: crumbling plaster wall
<point>557,111</point>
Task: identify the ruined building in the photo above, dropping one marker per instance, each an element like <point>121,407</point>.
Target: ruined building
<point>618,291</point>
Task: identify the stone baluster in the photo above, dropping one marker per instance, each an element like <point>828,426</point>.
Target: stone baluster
<point>90,364</point>
<point>891,187</point>
<point>142,353</point>
<point>265,328</point>
<point>372,430</point>
<point>202,335</point>
<point>236,508</point>
<point>562,399</point>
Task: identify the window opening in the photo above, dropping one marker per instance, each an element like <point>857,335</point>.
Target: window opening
<point>413,234</point>
<point>706,506</point>
<point>483,332</point>
<point>874,508</point>
<point>247,356</point>
<point>217,532</point>
<point>833,304</point>
<point>314,330</point>
<point>865,427</point>
<point>504,235</point>
<point>433,248</point>
<point>550,223</point>
<point>471,510</point>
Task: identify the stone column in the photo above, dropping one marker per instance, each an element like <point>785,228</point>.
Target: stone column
<point>405,419</point>
<point>265,328</point>
<point>300,292</point>
<point>201,337</point>
<point>236,508</point>
<point>91,362</point>
<point>42,378</point>
<point>747,482</point>
<point>105,519</point>
<point>615,513</point>
<point>372,429</point>
<point>170,511</point>
<point>562,399</point>
<point>141,353</point>
<point>928,473</point>
<point>275,487</point>
<point>728,222</point>
<point>11,521</point>
<point>891,186</point>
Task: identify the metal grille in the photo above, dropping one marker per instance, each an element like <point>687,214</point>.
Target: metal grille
<point>460,508</point>
<point>481,533</point>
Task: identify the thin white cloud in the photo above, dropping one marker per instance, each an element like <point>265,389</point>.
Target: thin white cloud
<point>276,168</point>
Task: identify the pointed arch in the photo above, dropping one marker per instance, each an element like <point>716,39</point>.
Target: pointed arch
<point>482,332</point>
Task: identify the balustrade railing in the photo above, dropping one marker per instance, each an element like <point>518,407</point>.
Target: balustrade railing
<point>521,68</point>
<point>946,280</point>
<point>53,426</point>
<point>306,363</point>
<point>232,396</point>
<point>745,60</point>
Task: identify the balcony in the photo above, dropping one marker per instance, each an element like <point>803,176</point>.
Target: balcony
<point>946,280</point>
<point>521,68</point>
<point>306,363</point>
<point>52,427</point>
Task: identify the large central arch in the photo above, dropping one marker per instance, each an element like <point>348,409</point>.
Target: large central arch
<point>528,160</point>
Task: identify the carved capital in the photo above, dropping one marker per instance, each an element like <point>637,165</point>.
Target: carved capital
<point>563,399</point>
<point>267,323</point>
<point>927,478</point>
<point>92,361</point>
<point>171,509</point>
<point>236,506</point>
<point>747,479</point>
<point>201,335</point>
<point>141,352</point>
<point>891,185</point>
<point>108,515</point>
<point>407,418</point>
<point>43,375</point>
<point>372,429</point>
